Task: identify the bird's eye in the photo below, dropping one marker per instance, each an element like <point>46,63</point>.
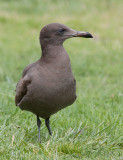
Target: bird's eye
<point>61,30</point>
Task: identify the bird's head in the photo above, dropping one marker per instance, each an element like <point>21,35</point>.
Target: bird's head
<point>56,33</point>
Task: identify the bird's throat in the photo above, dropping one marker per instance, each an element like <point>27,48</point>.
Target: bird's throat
<point>52,51</point>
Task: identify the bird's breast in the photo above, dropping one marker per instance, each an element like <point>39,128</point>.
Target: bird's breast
<point>54,88</point>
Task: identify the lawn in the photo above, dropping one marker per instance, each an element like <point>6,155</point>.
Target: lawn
<point>91,128</point>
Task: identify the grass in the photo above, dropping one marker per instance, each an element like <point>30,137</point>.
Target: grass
<point>92,127</point>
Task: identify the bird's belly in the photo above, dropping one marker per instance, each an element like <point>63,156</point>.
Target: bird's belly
<point>47,99</point>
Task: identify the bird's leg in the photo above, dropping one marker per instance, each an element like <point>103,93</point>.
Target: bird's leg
<point>38,124</point>
<point>47,123</point>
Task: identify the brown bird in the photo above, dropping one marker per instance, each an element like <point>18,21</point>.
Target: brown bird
<point>48,85</point>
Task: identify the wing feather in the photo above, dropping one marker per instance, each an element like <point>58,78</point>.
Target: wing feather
<point>21,90</point>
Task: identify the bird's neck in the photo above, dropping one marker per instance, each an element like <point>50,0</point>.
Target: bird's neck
<point>52,51</point>
<point>57,57</point>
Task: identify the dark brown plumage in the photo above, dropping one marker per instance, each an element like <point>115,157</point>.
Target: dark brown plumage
<point>48,85</point>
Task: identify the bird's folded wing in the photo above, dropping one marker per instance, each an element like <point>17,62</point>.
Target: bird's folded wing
<point>21,90</point>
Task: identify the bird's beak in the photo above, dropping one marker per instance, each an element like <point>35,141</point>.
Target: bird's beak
<point>82,34</point>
